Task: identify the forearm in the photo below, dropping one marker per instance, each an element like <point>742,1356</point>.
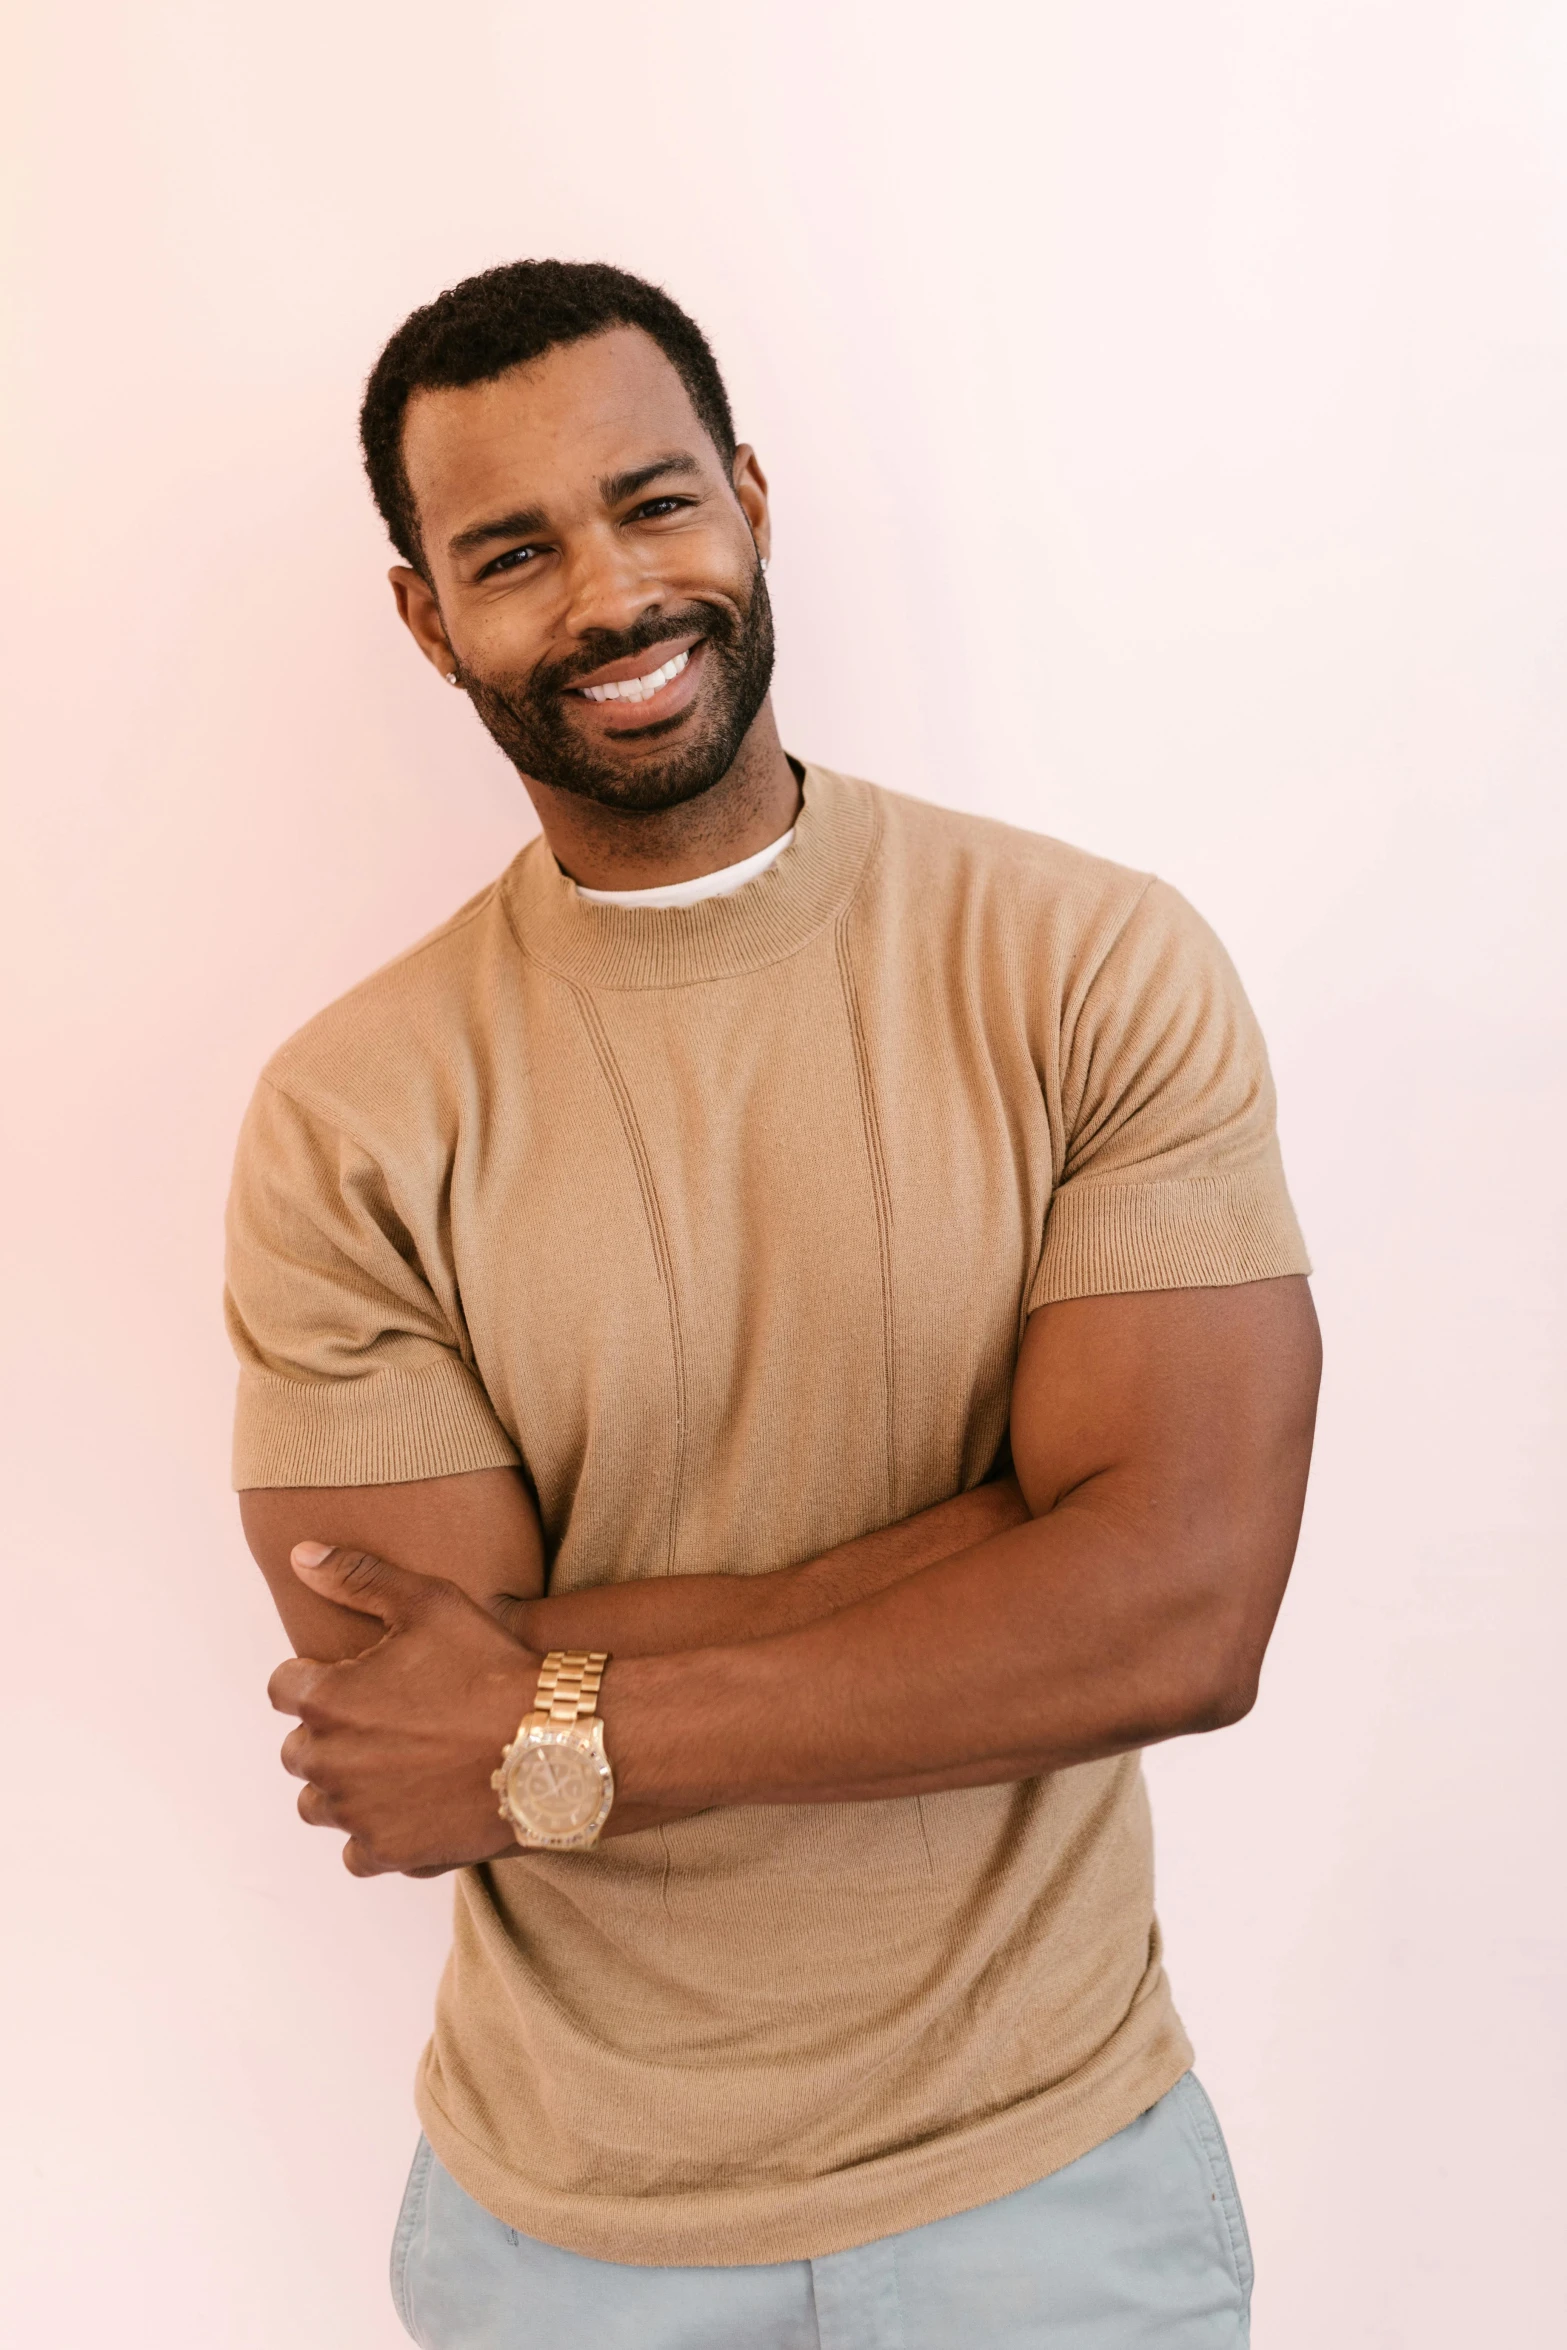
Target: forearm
<point>1043,1646</point>
<point>717,1611</point>
<point>1161,1442</point>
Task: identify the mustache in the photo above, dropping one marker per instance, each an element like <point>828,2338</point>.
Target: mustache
<point>609,644</point>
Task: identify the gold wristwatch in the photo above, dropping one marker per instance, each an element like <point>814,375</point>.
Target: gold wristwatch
<point>555,1783</point>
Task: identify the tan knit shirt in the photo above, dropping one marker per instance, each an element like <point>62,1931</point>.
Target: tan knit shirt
<point>726,1221</point>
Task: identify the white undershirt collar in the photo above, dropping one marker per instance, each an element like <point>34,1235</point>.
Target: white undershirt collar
<point>721,884</point>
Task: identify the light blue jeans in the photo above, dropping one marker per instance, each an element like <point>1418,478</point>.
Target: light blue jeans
<point>1140,2245</point>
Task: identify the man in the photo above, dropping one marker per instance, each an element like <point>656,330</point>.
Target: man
<point>787,1314</point>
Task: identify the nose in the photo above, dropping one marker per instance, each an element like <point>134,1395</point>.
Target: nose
<point>608,586</point>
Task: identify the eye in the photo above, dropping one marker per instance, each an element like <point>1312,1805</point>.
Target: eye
<point>654,509</point>
<point>513,560</point>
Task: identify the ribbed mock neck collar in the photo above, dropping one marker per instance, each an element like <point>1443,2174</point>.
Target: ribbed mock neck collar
<point>672,946</point>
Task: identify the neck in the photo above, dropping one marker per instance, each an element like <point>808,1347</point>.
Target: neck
<point>617,848</point>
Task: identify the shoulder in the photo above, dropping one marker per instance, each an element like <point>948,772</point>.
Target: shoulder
<point>1038,892</point>
<point>983,844</point>
<point>404,1035</point>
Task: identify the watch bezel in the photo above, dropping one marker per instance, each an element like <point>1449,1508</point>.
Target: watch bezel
<point>585,1737</point>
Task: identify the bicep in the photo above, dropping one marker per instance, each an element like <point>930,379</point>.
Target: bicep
<point>1187,1413</point>
<point>480,1530</point>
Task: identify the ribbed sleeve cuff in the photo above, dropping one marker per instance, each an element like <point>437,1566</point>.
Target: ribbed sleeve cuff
<point>1203,1232</point>
<point>387,1428</point>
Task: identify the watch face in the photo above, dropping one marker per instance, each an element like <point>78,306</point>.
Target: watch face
<point>556,1788</point>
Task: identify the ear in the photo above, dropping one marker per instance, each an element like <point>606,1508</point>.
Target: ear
<point>750,487</point>
<point>421,616</point>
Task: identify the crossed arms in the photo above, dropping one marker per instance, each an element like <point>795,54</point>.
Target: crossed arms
<point>1119,1590</point>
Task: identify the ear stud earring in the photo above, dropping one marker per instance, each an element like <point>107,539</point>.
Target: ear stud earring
<point>764,562</point>
<point>451,677</point>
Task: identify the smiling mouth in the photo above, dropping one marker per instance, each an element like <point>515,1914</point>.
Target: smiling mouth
<point>638,689</point>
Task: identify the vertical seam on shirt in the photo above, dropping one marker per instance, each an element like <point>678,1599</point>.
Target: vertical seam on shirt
<point>930,1863</point>
<point>625,1109</point>
<point>881,1189</point>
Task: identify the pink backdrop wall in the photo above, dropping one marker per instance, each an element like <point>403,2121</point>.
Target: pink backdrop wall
<point>1165,413</point>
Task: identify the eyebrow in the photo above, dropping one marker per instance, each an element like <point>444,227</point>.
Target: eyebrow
<point>614,489</point>
<point>521,525</point>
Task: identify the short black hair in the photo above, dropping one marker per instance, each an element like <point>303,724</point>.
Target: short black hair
<point>503,318</point>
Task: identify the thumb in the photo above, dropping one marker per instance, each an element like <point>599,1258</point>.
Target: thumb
<point>359,1580</point>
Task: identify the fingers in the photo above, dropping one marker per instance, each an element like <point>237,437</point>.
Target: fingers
<point>316,1808</point>
<point>302,1760</point>
<point>371,1586</point>
<point>360,1861</point>
<point>323,1807</point>
<point>294,1685</point>
<point>306,1755</point>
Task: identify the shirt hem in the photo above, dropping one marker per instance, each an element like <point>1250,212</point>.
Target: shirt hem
<point>1198,1232</point>
<point>392,1428</point>
<point>726,2227</point>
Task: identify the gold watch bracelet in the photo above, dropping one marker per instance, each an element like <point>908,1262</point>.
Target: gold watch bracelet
<point>569,1680</point>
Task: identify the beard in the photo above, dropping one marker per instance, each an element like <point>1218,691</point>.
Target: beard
<point>532,726</point>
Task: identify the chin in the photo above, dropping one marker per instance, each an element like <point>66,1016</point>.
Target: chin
<point>639,795</point>
<point>648,786</point>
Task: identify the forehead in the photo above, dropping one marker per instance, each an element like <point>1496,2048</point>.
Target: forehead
<point>543,434</point>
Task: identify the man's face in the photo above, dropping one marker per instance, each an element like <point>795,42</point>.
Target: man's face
<point>594,569</point>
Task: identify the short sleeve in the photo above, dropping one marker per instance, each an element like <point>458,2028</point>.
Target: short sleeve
<point>353,1369</point>
<point>1170,1175</point>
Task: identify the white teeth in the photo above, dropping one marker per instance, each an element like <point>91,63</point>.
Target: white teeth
<point>638,689</point>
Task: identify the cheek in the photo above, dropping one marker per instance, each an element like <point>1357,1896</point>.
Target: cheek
<point>713,562</point>
<point>502,641</point>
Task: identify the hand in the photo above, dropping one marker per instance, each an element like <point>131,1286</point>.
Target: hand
<point>397,1745</point>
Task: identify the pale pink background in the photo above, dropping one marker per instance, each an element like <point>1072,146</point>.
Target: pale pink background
<point>1166,409</point>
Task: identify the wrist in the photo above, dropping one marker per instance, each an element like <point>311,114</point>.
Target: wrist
<point>515,1691</point>
<point>665,1719</point>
